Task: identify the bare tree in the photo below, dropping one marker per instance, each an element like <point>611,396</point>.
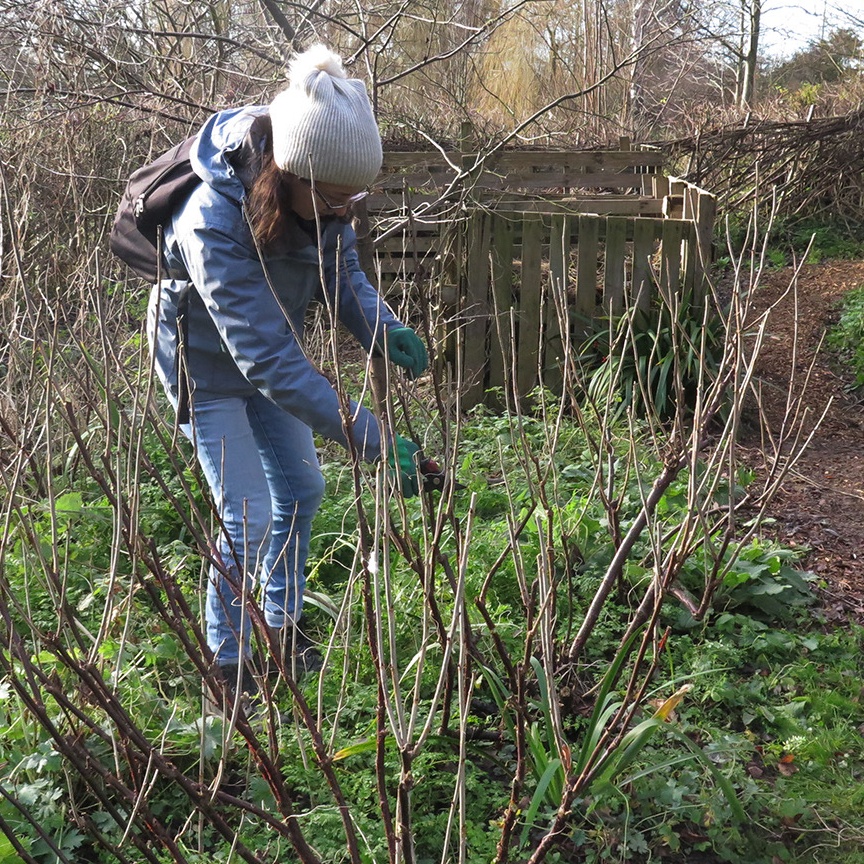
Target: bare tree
<point>751,20</point>
<point>734,29</point>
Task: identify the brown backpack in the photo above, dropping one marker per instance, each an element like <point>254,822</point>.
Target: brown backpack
<point>151,196</point>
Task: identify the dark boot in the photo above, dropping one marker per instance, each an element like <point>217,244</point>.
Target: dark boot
<point>221,701</point>
<point>299,654</point>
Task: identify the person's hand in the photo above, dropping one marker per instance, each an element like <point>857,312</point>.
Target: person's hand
<point>406,349</point>
<point>402,458</point>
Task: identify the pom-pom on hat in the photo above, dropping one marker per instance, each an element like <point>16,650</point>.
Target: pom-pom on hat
<point>323,123</point>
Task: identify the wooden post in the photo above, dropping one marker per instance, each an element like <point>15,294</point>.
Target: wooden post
<point>706,212</point>
<point>689,265</point>
<point>673,204</point>
<point>690,195</point>
<point>466,138</point>
<point>451,249</point>
<point>688,244</point>
<point>660,186</point>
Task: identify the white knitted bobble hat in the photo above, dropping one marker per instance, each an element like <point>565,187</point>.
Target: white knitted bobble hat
<point>323,123</point>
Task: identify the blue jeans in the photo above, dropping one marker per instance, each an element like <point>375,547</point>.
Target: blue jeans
<point>263,472</point>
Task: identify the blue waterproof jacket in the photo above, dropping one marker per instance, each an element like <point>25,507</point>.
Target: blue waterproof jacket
<point>243,333</point>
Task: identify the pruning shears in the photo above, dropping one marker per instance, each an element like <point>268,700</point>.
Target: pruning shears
<point>433,475</point>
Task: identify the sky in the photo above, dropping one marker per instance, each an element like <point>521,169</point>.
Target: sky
<point>789,24</point>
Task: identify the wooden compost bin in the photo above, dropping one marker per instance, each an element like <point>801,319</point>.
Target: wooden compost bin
<point>534,238</point>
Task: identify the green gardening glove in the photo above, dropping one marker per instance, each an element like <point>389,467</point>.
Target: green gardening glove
<point>406,349</point>
<point>401,458</point>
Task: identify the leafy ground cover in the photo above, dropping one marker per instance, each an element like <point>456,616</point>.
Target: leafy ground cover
<point>761,759</point>
<point>497,687</point>
<point>846,337</point>
<point>811,239</point>
<point>815,240</point>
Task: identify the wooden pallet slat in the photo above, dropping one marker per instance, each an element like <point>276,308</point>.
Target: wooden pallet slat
<point>556,302</point>
<point>411,183</point>
<point>435,159</point>
<point>613,264</point>
<point>530,307</point>
<point>400,201</point>
<point>475,310</point>
<point>586,267</point>
<point>645,232</point>
<point>406,268</point>
<point>557,180</point>
<point>410,158</point>
<point>670,257</point>
<point>385,207</point>
<point>601,205</point>
<point>501,340</point>
<point>411,246</point>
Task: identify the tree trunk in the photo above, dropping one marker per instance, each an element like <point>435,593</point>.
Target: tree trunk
<point>635,111</point>
<point>750,59</point>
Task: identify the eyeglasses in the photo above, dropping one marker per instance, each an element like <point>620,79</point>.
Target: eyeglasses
<point>335,205</point>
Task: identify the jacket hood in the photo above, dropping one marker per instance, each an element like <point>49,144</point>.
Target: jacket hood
<point>214,153</point>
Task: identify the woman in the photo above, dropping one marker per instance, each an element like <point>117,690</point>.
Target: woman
<point>266,231</point>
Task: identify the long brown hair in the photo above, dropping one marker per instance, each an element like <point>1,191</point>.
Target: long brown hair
<point>269,203</point>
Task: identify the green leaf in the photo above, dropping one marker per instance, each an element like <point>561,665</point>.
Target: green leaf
<point>602,709</point>
<point>8,855</point>
<point>367,746</point>
<point>322,601</point>
<point>733,579</point>
<point>500,695</point>
<point>69,502</point>
<point>629,748</point>
<point>719,778</point>
<point>537,749</point>
<point>768,588</point>
<point>539,794</point>
<point>798,579</point>
<point>545,705</point>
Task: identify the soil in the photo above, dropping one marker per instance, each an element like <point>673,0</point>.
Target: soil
<point>820,505</point>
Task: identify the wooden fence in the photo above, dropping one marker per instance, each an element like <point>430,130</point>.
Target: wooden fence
<point>527,240</point>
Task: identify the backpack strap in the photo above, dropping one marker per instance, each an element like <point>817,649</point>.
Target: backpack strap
<point>184,391</point>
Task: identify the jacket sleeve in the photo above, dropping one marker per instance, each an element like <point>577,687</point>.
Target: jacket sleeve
<point>253,327</point>
<point>359,306</point>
